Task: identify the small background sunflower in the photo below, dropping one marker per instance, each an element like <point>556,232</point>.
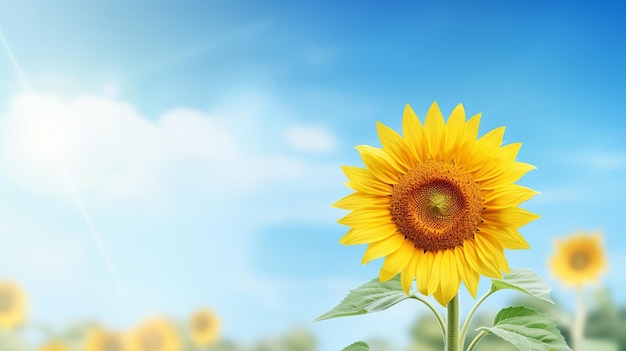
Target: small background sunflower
<point>204,327</point>
<point>101,339</point>
<point>12,305</point>
<point>156,334</point>
<point>579,259</point>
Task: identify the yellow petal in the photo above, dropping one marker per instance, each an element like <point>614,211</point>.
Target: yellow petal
<point>468,142</point>
<point>466,273</point>
<point>395,146</point>
<point>471,127</point>
<point>454,130</point>
<point>396,261</point>
<point>434,127</point>
<point>493,251</point>
<point>510,216</point>
<point>367,217</point>
<point>413,133</point>
<point>485,150</point>
<point>408,273</point>
<point>382,248</point>
<point>493,139</point>
<point>450,280</point>
<point>435,273</point>
<point>508,196</point>
<point>422,271</point>
<point>380,164</point>
<point>508,153</point>
<point>406,280</point>
<point>362,201</point>
<point>509,238</point>
<point>438,295</point>
<point>503,264</point>
<point>362,180</point>
<point>488,254</point>
<point>477,261</point>
<point>500,164</point>
<point>368,234</point>
<point>510,176</point>
<point>497,253</point>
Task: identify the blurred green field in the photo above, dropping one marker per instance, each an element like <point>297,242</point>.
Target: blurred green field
<point>605,331</point>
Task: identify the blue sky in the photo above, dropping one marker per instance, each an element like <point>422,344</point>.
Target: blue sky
<point>203,141</point>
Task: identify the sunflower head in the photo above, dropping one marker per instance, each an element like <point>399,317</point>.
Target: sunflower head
<point>579,259</point>
<point>156,334</point>
<point>438,203</point>
<point>101,339</point>
<point>12,306</point>
<point>204,326</point>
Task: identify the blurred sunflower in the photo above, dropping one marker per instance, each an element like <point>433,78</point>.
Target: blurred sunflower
<point>12,306</point>
<point>100,339</point>
<point>579,259</point>
<point>55,345</point>
<point>205,327</point>
<point>157,334</point>
<point>439,204</point>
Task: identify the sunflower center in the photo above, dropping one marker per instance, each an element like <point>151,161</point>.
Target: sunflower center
<point>579,261</point>
<point>201,323</point>
<point>151,341</point>
<point>112,343</point>
<point>437,206</point>
<point>6,301</point>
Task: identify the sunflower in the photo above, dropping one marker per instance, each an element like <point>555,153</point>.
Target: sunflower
<point>157,334</point>
<point>579,259</point>
<point>439,204</point>
<point>100,339</point>
<point>12,305</point>
<point>54,346</point>
<point>205,327</point>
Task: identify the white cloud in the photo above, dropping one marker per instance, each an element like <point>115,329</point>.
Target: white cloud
<point>312,139</point>
<point>107,148</point>
<point>111,90</point>
<point>213,164</point>
<point>189,133</point>
<point>94,140</point>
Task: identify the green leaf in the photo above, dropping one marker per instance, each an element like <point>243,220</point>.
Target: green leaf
<point>12,340</point>
<point>527,330</point>
<point>357,346</point>
<point>525,281</point>
<point>367,298</point>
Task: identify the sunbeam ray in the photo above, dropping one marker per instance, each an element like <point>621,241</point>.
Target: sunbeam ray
<point>73,190</point>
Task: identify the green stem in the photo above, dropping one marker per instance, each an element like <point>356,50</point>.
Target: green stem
<point>442,324</point>
<point>476,340</point>
<point>453,324</point>
<point>466,324</point>
<point>579,321</point>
